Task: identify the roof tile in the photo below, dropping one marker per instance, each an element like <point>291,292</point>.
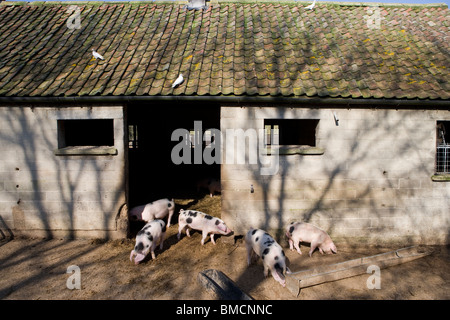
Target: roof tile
<point>232,48</point>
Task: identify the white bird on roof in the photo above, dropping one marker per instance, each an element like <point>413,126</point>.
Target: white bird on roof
<point>311,6</point>
<point>97,55</point>
<point>178,81</point>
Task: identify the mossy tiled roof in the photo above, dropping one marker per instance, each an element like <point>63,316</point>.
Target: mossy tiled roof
<point>252,49</point>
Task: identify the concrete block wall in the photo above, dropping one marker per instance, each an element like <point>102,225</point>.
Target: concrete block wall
<point>371,184</point>
<point>43,194</point>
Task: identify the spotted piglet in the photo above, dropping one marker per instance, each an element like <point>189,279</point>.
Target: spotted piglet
<point>147,239</point>
<point>260,242</point>
<point>297,232</point>
<point>158,209</point>
<point>200,221</point>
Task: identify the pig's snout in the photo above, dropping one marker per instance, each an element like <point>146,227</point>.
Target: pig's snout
<point>283,283</point>
<point>333,249</point>
<point>138,257</point>
<point>134,255</point>
<point>227,230</point>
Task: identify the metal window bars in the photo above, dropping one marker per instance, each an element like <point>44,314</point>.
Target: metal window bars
<point>443,158</point>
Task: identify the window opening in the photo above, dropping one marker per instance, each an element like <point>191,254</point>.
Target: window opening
<point>133,138</point>
<point>443,147</point>
<point>204,139</point>
<point>91,132</point>
<point>291,131</point>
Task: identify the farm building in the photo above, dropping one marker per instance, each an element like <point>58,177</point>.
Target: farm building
<point>338,116</point>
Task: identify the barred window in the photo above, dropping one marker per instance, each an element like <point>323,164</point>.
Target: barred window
<point>443,147</point>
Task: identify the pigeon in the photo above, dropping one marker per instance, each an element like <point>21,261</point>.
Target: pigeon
<point>311,6</point>
<point>196,5</point>
<point>178,81</point>
<point>97,55</point>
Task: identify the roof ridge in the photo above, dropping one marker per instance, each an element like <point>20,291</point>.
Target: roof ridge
<point>345,3</point>
<point>334,3</point>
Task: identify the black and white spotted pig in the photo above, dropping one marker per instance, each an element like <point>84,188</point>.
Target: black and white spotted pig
<point>158,209</point>
<point>200,221</point>
<point>297,232</point>
<point>147,239</point>
<point>271,253</point>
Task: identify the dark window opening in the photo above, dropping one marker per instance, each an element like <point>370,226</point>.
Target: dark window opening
<point>95,132</point>
<point>205,139</point>
<point>443,147</point>
<point>133,138</point>
<point>291,131</point>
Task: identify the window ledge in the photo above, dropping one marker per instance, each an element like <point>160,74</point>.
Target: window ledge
<point>441,177</point>
<point>86,151</point>
<point>295,149</point>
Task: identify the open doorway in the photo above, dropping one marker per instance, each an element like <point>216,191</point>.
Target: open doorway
<point>152,173</point>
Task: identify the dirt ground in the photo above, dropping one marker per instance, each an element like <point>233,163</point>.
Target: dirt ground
<point>37,269</point>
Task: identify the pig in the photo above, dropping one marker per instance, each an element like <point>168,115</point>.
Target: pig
<point>305,232</point>
<point>211,184</point>
<point>147,239</point>
<point>154,210</point>
<point>260,242</point>
<point>200,221</point>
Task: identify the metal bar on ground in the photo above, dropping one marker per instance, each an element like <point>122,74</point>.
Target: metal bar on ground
<point>222,286</point>
<point>306,278</point>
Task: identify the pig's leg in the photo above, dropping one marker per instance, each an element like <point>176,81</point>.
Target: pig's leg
<point>291,244</point>
<point>314,245</point>
<point>204,235</point>
<point>266,270</point>
<point>249,253</point>
<point>297,247</point>
<point>180,228</point>
<point>187,232</point>
<point>162,240</point>
<point>153,250</point>
<point>171,211</point>
<point>212,239</point>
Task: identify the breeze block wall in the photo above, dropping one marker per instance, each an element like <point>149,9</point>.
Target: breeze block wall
<point>370,182</point>
<point>52,192</point>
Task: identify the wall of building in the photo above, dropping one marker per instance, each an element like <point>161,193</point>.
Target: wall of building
<point>49,192</point>
<point>371,184</point>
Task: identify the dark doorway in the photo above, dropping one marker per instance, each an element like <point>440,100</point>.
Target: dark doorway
<point>152,173</point>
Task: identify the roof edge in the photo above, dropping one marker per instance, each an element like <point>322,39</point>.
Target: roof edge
<point>343,102</point>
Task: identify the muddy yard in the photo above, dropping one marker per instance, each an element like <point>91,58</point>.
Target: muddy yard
<point>37,269</point>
